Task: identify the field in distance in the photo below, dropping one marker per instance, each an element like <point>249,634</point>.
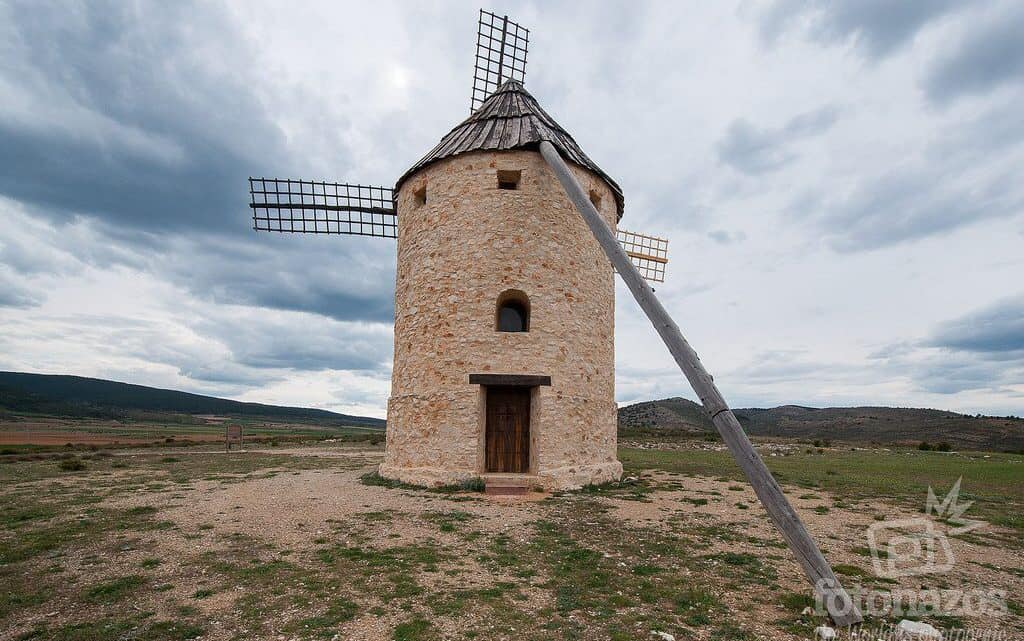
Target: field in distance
<point>897,426</point>
<point>41,412</point>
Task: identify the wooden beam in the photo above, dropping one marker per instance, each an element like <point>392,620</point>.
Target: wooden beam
<point>519,380</point>
<point>655,259</point>
<point>842,609</point>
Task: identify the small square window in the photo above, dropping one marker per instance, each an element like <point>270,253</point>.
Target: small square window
<point>509,178</point>
<point>420,196</point>
<point>596,199</point>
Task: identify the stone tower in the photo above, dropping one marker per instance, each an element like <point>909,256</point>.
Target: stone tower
<point>504,309</point>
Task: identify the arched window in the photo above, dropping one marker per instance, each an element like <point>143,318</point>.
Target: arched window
<point>513,313</point>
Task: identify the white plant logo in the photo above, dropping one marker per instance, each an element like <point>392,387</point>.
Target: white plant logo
<point>908,547</point>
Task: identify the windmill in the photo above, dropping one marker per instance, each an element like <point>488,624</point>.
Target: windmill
<point>504,303</point>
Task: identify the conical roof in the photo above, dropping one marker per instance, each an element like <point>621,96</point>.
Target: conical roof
<point>510,119</point>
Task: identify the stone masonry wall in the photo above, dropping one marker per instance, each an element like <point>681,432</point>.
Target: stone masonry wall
<point>457,252</point>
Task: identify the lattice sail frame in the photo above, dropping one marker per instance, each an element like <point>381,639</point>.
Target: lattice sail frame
<point>315,207</point>
<point>500,55</point>
<point>648,253</point>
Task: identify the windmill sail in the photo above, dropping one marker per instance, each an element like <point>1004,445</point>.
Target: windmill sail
<point>500,55</point>
<point>649,254</point>
<point>312,207</point>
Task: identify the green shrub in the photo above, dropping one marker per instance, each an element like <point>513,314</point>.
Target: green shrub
<point>415,630</point>
<point>797,601</point>
<point>375,479</point>
<point>114,589</point>
<point>475,484</point>
<point>73,464</point>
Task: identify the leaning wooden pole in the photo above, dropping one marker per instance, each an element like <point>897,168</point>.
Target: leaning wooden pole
<point>841,608</point>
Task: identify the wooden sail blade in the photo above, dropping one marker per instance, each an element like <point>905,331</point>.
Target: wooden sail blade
<point>314,207</point>
<point>500,55</point>
<point>649,254</point>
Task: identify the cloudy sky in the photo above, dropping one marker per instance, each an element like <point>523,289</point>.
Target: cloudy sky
<point>841,184</point>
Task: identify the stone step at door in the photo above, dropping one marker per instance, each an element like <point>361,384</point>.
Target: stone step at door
<point>507,484</point>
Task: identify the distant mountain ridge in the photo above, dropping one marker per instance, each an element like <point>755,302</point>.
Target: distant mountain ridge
<point>883,425</point>
<point>79,396</point>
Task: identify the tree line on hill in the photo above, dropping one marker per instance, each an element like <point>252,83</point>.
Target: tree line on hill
<point>80,397</point>
<point>909,427</point>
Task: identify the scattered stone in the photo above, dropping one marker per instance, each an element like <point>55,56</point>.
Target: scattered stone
<point>806,611</point>
<point>917,631</point>
<point>664,636</point>
<point>824,633</point>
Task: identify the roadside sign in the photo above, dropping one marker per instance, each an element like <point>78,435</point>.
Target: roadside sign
<point>233,433</point>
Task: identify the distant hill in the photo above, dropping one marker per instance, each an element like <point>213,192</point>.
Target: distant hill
<point>92,397</point>
<point>884,425</point>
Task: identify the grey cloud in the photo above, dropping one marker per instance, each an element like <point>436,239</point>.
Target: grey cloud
<point>780,366</point>
<point>351,396</point>
<point>954,375</point>
<point>986,58</point>
<point>231,374</point>
<point>981,350</point>
<point>18,295</point>
<point>911,203</point>
<point>23,251</point>
<point>345,278</point>
<point>137,150</point>
<point>946,371</point>
<point>893,350</point>
<point>195,357</point>
<point>995,330</point>
<point>114,115</point>
<point>245,346</point>
<point>877,27</point>
<point>724,237</point>
<point>965,174</point>
<point>635,384</point>
<point>995,130</point>
<point>752,150</point>
<point>342,277</point>
<point>299,341</point>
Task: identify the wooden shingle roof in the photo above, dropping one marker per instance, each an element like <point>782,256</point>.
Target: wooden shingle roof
<point>511,119</point>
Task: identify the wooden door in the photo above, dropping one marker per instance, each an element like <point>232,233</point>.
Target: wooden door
<point>507,442</point>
